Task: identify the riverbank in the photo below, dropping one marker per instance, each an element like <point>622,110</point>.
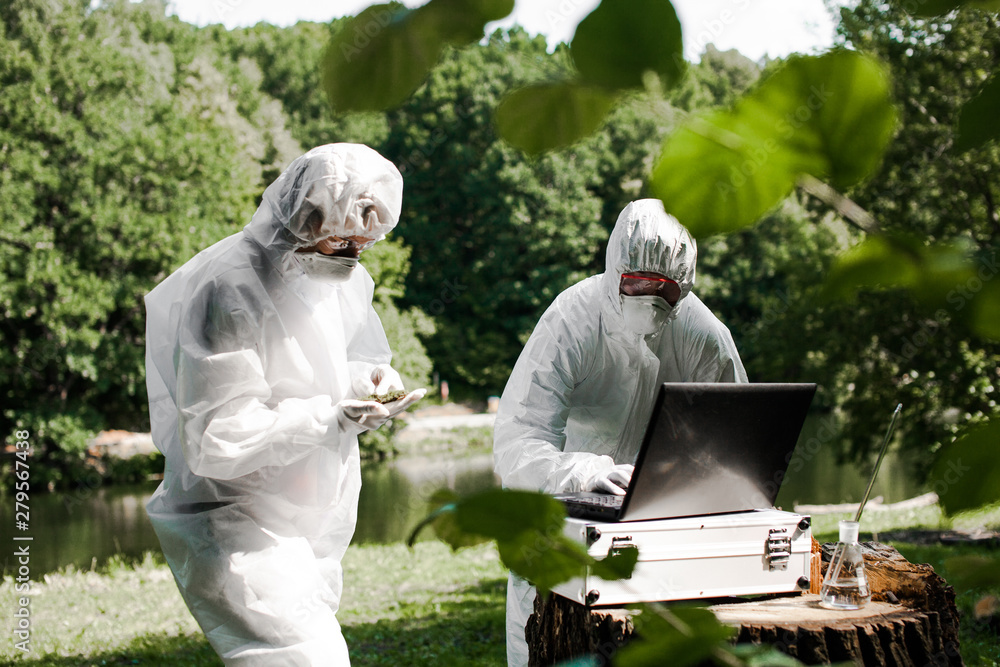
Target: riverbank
<point>116,457</point>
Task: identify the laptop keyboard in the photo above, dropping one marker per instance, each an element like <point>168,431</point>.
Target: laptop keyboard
<point>600,501</point>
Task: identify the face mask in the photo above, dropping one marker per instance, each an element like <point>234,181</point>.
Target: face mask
<point>645,315</point>
<point>325,268</point>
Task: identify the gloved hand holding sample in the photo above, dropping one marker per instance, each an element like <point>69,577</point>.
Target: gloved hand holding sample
<point>400,405</point>
<point>368,415</point>
<point>378,380</point>
<point>380,397</point>
<point>362,415</point>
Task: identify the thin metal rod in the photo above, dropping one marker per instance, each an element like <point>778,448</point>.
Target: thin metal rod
<point>833,572</point>
<point>878,463</point>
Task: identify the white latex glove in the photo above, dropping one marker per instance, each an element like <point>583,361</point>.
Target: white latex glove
<point>382,380</point>
<point>361,416</point>
<point>355,416</point>
<point>613,481</point>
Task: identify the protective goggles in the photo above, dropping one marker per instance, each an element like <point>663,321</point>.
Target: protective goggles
<point>633,285</point>
<point>336,244</point>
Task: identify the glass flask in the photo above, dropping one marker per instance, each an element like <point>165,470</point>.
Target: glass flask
<point>845,585</point>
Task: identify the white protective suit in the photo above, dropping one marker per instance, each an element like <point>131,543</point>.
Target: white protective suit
<point>578,400</point>
<point>247,361</point>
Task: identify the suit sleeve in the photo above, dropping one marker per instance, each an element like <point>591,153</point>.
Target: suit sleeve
<point>229,421</point>
<point>530,430</point>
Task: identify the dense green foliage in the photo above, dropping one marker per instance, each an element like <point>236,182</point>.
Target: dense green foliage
<point>128,142</point>
<point>119,162</point>
<point>819,117</point>
<point>919,348</point>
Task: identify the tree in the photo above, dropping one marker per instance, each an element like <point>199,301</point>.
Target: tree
<point>287,60</point>
<point>497,236</point>
<point>125,150</point>
<point>924,185</point>
<point>917,351</point>
<point>109,181</point>
<point>128,143</point>
<point>718,80</point>
<point>765,283</point>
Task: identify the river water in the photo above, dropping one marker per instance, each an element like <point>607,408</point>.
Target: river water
<point>85,527</point>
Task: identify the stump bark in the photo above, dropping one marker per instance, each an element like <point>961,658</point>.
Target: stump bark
<point>880,634</point>
<point>912,621</point>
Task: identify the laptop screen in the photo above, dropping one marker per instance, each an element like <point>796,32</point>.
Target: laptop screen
<point>716,447</point>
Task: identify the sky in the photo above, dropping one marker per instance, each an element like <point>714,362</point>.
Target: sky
<point>757,28</point>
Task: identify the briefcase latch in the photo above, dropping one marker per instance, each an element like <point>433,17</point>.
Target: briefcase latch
<point>778,549</point>
<point>619,545</point>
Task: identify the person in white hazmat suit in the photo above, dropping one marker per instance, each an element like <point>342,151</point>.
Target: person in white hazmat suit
<point>575,408</point>
<point>257,351</point>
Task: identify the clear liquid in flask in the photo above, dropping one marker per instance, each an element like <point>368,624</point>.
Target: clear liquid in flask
<point>845,585</point>
<point>848,594</point>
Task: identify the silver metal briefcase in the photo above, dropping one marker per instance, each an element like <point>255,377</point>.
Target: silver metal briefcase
<point>741,553</point>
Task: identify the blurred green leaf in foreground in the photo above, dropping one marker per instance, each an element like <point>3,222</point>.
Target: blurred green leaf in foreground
<point>829,117</point>
<point>386,52</point>
<point>528,530</point>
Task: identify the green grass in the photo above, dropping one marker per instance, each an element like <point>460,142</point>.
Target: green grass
<point>426,606</point>
<point>875,521</point>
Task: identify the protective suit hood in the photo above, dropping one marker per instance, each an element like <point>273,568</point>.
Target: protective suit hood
<point>333,190</point>
<point>647,238</point>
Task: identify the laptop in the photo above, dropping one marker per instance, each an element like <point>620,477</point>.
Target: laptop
<point>709,448</point>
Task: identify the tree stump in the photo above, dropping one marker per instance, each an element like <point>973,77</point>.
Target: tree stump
<point>561,629</point>
<point>911,621</point>
<point>880,634</point>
